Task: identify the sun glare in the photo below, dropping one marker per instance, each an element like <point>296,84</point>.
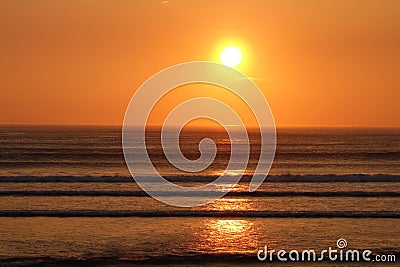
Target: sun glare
<point>231,56</point>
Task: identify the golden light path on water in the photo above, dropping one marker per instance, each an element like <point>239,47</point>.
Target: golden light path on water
<point>229,235</point>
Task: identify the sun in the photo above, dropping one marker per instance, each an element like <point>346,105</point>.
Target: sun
<point>231,56</point>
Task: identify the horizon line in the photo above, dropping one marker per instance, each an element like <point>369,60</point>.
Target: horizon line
<point>193,126</point>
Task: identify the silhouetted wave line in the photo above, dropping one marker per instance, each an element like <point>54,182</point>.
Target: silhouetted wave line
<point>194,259</point>
<point>192,213</point>
<point>66,193</point>
<point>208,178</point>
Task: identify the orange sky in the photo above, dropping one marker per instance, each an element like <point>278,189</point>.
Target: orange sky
<point>319,63</point>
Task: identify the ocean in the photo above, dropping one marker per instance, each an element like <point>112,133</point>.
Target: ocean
<point>68,199</point>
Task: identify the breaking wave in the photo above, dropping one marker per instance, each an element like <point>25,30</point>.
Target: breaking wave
<point>193,213</point>
<point>207,178</point>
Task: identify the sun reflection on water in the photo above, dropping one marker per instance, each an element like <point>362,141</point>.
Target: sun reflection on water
<point>230,226</point>
<point>234,204</point>
<point>229,235</point>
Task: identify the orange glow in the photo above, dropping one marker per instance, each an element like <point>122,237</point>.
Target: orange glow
<point>228,236</point>
<point>235,204</point>
<point>186,92</point>
<point>318,63</point>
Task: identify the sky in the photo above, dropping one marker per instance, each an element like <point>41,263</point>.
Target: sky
<point>318,63</point>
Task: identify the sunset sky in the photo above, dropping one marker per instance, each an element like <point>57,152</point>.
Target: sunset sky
<point>318,63</point>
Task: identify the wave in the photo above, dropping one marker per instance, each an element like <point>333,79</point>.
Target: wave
<point>97,193</point>
<point>194,259</point>
<point>205,259</point>
<point>28,154</point>
<point>210,178</point>
<point>192,213</point>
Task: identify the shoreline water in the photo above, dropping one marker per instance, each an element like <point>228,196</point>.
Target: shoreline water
<point>204,260</point>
